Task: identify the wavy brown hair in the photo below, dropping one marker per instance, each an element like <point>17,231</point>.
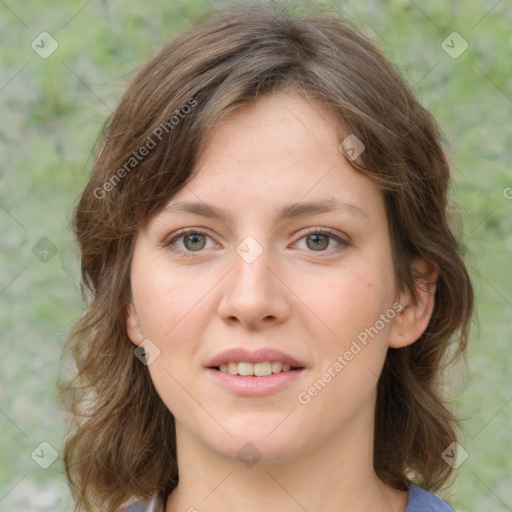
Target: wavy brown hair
<point>122,444</point>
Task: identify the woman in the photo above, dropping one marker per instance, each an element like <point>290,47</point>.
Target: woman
<point>272,279</point>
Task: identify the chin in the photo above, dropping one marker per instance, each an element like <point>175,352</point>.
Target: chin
<point>260,443</point>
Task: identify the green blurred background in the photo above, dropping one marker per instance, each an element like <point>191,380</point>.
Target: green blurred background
<point>52,110</point>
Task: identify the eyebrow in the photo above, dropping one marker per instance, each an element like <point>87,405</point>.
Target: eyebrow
<point>288,211</point>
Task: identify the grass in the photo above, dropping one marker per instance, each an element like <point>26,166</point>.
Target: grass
<point>52,112</point>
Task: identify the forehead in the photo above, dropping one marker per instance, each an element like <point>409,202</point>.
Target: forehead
<point>277,125</point>
<point>281,150</point>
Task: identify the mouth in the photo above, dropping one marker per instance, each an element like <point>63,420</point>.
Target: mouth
<point>260,369</point>
<point>254,379</point>
<point>245,372</point>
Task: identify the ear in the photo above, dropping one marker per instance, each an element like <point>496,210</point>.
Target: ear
<point>411,322</point>
<point>133,326</point>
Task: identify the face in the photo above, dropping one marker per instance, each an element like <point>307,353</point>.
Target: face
<point>271,283</point>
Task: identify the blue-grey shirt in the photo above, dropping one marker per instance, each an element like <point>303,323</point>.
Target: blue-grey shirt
<point>420,500</point>
<point>424,501</point>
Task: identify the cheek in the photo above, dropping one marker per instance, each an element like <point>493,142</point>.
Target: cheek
<point>351,301</point>
<point>352,353</point>
<point>171,312</point>
<point>166,297</point>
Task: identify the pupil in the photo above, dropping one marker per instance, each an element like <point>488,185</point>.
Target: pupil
<point>196,241</point>
<point>323,239</point>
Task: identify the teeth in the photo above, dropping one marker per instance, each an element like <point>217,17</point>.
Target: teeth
<point>262,369</point>
<point>254,369</point>
<point>245,369</point>
<point>276,366</point>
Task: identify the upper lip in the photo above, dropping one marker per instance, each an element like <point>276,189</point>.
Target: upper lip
<point>253,356</point>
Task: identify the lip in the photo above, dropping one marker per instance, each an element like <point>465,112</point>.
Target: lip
<point>246,385</point>
<point>253,356</point>
<point>254,386</point>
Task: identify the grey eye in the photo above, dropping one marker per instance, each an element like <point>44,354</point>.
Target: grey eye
<point>319,242</point>
<point>195,241</point>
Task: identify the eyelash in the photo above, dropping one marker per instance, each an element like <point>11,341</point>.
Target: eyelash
<point>190,254</point>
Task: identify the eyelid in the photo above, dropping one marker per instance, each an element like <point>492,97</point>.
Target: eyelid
<point>176,235</point>
<point>342,241</point>
<point>324,231</point>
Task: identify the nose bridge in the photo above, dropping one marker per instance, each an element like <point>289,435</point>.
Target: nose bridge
<point>253,292</point>
<point>252,277</point>
<point>253,274</point>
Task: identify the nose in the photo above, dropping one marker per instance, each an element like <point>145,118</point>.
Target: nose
<point>254,294</point>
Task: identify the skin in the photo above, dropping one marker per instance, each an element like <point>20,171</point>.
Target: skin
<point>308,302</point>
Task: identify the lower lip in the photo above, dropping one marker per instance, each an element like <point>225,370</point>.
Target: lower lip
<point>254,386</point>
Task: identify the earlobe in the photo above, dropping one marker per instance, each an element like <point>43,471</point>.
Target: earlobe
<point>412,321</point>
<point>133,328</point>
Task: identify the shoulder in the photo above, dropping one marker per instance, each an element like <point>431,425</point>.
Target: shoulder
<point>153,504</point>
<point>421,500</point>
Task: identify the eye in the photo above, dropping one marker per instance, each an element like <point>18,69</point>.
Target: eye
<point>318,240</point>
<point>191,240</point>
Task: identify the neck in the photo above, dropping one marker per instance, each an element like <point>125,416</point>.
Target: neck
<point>335,476</point>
